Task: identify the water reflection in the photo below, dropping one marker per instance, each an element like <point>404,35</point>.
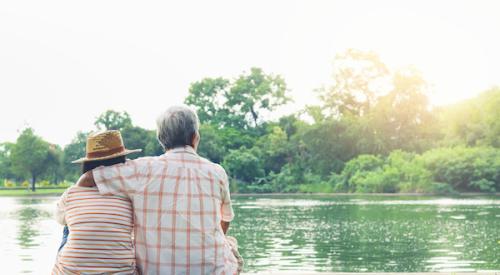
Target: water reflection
<point>314,233</point>
<point>25,235</point>
<point>355,234</point>
<point>28,229</point>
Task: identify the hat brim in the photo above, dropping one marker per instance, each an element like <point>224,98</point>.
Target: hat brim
<point>125,152</point>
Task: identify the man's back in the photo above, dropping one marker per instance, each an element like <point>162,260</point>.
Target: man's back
<point>179,202</point>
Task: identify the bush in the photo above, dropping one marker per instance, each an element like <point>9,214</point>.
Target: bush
<point>65,184</point>
<point>44,183</point>
<point>244,164</point>
<point>465,169</point>
<point>439,188</point>
<point>25,184</point>
<point>484,185</point>
<point>284,179</point>
<point>399,172</point>
<point>9,184</point>
<point>238,186</point>
<point>320,187</point>
<point>355,171</point>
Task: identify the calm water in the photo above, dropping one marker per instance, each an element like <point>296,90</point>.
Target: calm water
<point>315,233</point>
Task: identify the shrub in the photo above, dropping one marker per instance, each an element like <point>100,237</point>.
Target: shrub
<point>9,184</point>
<point>320,187</point>
<point>284,179</point>
<point>354,173</point>
<point>399,172</point>
<point>244,165</point>
<point>65,183</point>
<point>439,188</point>
<point>484,185</point>
<point>44,183</point>
<point>465,169</point>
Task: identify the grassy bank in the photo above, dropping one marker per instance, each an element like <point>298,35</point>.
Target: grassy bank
<point>25,192</point>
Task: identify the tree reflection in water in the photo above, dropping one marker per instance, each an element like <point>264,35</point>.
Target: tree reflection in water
<point>29,215</point>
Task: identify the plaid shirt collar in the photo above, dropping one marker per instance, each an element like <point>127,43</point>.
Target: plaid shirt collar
<point>185,149</point>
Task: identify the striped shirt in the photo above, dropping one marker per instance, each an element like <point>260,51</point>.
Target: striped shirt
<point>100,238</point>
<point>179,201</point>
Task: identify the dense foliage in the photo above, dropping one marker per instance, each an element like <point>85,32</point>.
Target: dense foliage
<point>374,131</point>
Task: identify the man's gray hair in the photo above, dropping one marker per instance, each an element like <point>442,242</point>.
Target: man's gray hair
<point>176,127</point>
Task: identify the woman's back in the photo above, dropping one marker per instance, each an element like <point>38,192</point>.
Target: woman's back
<point>100,239</point>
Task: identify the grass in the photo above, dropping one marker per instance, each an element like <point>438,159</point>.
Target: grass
<point>24,192</point>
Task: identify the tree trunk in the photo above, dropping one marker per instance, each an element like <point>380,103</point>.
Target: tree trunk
<point>33,180</point>
<point>254,115</point>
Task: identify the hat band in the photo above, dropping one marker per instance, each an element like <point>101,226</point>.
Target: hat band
<point>105,153</point>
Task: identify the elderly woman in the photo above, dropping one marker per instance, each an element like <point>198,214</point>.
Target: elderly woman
<point>100,227</point>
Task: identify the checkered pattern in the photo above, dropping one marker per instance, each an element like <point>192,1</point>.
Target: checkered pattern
<point>179,201</point>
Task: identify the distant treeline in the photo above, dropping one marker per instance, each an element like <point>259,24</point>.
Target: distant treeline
<point>373,131</point>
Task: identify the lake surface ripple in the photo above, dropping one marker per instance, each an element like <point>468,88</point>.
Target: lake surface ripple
<point>308,232</point>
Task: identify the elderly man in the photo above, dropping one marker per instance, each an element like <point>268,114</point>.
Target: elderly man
<point>181,201</point>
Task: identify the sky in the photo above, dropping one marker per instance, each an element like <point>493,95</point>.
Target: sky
<point>62,63</point>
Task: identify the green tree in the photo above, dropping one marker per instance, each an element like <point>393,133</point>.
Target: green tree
<point>238,104</point>
<point>244,165</point>
<point>153,147</point>
<point>472,122</point>
<point>30,156</point>
<point>328,146</point>
<point>216,142</point>
<point>55,169</point>
<point>113,120</point>
<point>209,96</point>
<point>5,161</point>
<point>133,136</point>
<point>256,92</point>
<point>139,138</point>
<point>359,79</point>
<point>402,118</point>
<point>315,112</point>
<point>275,149</point>
<point>71,152</point>
<point>211,145</point>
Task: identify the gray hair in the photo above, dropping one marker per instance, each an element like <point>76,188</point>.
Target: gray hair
<point>176,127</point>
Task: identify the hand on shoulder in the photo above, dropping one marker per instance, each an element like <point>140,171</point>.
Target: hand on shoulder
<point>86,180</point>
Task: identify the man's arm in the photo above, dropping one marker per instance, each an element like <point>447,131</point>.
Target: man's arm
<point>119,179</point>
<point>226,206</point>
<point>225,226</point>
<point>86,180</point>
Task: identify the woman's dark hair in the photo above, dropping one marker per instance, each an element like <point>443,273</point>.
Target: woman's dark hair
<point>89,165</point>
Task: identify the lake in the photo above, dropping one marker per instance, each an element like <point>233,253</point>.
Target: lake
<point>308,232</point>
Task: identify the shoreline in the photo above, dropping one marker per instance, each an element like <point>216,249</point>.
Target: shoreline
<point>366,194</point>
<point>41,192</point>
<point>372,273</point>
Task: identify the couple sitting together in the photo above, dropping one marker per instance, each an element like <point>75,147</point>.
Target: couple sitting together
<point>153,215</point>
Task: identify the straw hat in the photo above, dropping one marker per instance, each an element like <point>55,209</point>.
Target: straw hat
<point>105,145</point>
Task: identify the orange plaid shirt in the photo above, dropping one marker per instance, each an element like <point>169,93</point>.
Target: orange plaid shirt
<point>179,201</point>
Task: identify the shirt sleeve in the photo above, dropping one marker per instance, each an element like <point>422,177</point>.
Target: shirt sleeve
<point>119,179</point>
<point>227,212</point>
<point>60,213</point>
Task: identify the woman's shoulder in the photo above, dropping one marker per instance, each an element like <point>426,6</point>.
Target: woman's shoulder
<point>80,190</point>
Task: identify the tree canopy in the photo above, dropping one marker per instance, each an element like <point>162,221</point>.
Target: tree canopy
<point>373,130</point>
<point>31,156</point>
<point>239,103</point>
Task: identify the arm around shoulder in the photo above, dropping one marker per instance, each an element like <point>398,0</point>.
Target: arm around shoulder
<point>120,179</point>
<point>86,180</point>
